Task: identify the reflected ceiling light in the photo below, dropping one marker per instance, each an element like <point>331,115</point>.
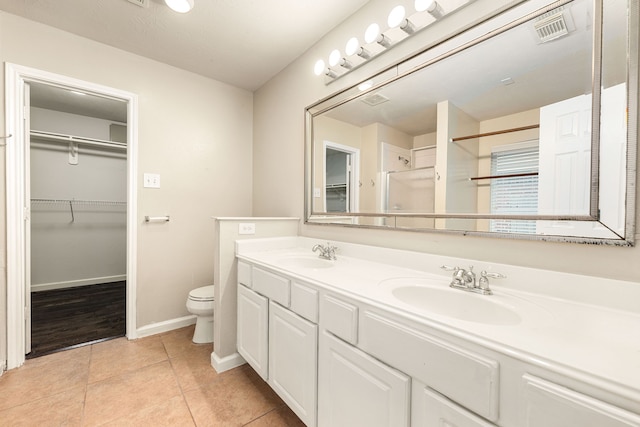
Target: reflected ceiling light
<point>396,16</point>
<point>372,33</point>
<point>334,58</point>
<point>181,6</point>
<point>431,6</point>
<point>365,85</point>
<point>319,67</point>
<point>352,46</point>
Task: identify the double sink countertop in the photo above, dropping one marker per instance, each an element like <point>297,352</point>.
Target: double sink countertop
<point>584,327</point>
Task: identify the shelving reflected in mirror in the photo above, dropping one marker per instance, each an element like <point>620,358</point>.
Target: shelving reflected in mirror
<point>523,131</point>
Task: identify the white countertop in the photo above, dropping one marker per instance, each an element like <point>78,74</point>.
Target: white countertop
<point>595,343</point>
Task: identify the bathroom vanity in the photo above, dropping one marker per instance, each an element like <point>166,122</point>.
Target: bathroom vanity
<point>378,338</point>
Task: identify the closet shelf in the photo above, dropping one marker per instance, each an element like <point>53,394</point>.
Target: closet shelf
<point>81,202</point>
<point>58,137</point>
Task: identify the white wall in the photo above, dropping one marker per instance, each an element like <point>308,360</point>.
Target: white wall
<point>279,152</point>
<point>193,131</point>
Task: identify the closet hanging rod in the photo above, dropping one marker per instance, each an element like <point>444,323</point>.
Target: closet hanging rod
<point>497,132</point>
<point>82,202</point>
<point>513,175</point>
<point>50,136</point>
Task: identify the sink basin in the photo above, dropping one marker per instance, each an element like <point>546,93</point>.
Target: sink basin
<point>454,303</point>
<point>302,261</point>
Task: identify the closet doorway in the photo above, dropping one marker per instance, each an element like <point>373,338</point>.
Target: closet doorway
<point>70,213</point>
<point>78,240</point>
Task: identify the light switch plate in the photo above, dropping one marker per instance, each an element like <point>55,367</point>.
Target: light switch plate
<point>151,180</point>
<point>316,192</point>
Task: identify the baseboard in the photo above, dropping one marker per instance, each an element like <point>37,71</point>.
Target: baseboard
<point>75,283</point>
<point>165,326</point>
<point>221,364</point>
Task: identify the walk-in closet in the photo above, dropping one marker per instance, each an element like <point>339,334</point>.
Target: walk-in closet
<point>77,244</point>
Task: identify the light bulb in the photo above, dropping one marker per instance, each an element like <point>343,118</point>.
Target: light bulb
<point>396,16</point>
<point>181,6</point>
<point>334,58</point>
<point>422,5</point>
<point>372,33</point>
<point>319,67</point>
<point>352,46</point>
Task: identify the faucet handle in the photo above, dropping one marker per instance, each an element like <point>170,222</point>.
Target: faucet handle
<point>483,282</point>
<point>449,268</point>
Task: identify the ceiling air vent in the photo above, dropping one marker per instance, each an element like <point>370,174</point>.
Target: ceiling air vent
<point>374,99</point>
<point>141,3</point>
<point>551,25</point>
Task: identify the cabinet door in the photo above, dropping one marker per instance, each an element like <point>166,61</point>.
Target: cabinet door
<point>552,405</point>
<point>356,390</point>
<point>429,408</point>
<point>253,329</point>
<point>293,356</point>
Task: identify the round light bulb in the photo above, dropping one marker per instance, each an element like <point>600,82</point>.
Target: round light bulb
<point>396,16</point>
<point>319,67</point>
<point>372,33</point>
<point>352,46</point>
<point>181,6</point>
<point>334,58</point>
<point>422,5</point>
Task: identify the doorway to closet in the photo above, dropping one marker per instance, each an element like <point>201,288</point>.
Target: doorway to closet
<point>78,228</point>
<point>71,203</point>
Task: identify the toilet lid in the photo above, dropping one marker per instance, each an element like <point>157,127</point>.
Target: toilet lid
<point>204,293</point>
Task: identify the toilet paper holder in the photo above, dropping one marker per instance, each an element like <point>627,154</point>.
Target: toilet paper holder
<point>148,218</point>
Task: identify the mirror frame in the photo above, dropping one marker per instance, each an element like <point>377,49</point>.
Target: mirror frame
<point>394,72</point>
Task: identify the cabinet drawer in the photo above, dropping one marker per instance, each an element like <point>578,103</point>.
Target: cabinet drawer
<point>340,318</point>
<point>551,405</point>
<point>432,409</point>
<point>244,273</point>
<point>271,286</point>
<point>467,378</point>
<point>304,301</point>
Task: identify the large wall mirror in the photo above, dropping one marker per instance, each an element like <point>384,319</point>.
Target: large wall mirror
<point>527,129</point>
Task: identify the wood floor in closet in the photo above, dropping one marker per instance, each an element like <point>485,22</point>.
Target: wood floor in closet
<point>64,318</point>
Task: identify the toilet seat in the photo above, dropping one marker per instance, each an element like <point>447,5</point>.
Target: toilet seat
<point>205,293</point>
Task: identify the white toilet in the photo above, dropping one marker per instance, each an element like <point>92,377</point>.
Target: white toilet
<point>200,303</point>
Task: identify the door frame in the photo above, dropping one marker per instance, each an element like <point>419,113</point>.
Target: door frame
<point>354,178</point>
<point>18,210</point>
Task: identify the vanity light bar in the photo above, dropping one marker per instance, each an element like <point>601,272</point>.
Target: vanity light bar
<point>356,55</point>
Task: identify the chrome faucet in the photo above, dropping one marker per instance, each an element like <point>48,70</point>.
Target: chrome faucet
<point>326,252</point>
<point>466,279</point>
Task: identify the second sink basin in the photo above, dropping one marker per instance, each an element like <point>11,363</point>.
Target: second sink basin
<point>453,303</point>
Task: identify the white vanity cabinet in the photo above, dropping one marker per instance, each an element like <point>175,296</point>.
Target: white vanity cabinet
<point>253,329</point>
<point>339,354</point>
<point>277,336</point>
<point>357,390</point>
<point>548,404</point>
<point>293,358</point>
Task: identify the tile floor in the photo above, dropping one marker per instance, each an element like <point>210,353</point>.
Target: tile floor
<point>163,380</point>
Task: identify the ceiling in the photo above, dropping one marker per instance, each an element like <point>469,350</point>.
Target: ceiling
<point>240,42</point>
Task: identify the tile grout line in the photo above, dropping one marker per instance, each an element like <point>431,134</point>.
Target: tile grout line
<point>175,375</point>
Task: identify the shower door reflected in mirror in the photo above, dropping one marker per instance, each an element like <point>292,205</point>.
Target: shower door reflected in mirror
<point>573,92</point>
